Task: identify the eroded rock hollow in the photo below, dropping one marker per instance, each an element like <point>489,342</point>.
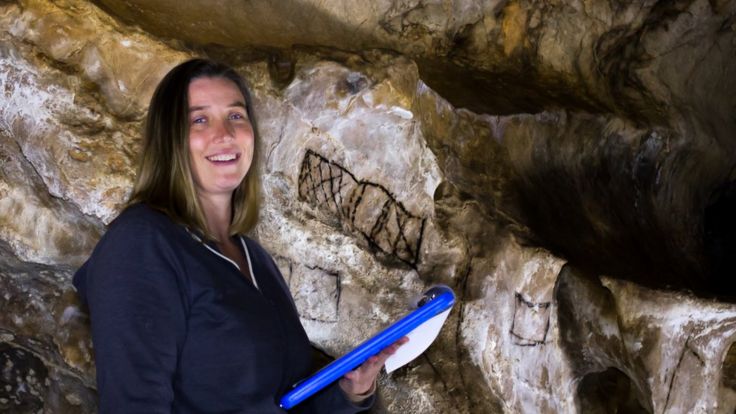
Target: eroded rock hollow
<point>567,167</point>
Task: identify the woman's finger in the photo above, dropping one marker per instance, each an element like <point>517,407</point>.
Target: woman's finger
<point>374,364</point>
<point>367,372</point>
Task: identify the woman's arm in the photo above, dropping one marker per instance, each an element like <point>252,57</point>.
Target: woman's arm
<point>138,318</point>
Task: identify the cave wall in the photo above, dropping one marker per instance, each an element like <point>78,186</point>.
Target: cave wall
<point>566,167</point>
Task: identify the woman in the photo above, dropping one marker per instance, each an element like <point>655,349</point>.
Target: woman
<point>189,316</point>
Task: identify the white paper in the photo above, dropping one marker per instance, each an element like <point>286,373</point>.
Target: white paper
<point>419,340</point>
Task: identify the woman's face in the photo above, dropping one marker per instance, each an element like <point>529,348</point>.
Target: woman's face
<point>220,136</point>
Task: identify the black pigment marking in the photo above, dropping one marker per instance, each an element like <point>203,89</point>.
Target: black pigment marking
<point>381,222</point>
<point>321,182</point>
<point>520,340</point>
<point>291,272</point>
<point>338,284</point>
<point>338,290</point>
<point>338,192</point>
<point>458,327</point>
<point>685,350</point>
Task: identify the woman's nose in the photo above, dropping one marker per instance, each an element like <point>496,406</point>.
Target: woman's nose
<point>224,131</point>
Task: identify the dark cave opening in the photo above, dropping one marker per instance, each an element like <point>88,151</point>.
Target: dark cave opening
<point>727,392</point>
<point>500,91</point>
<point>719,232</point>
<point>609,391</point>
<point>609,211</point>
<point>728,372</point>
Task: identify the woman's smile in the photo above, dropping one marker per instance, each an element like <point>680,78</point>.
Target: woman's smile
<point>224,158</point>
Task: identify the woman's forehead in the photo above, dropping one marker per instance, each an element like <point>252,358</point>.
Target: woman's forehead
<point>208,91</point>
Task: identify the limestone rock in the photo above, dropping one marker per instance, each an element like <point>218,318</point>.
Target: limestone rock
<point>45,344</point>
<point>39,227</point>
<point>72,126</point>
<point>512,332</point>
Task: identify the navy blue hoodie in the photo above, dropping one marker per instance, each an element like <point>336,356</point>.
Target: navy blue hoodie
<point>177,328</point>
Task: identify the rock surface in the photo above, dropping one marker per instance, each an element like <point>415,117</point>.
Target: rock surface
<point>566,167</point>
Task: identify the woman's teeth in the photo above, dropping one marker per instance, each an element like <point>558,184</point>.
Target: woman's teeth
<point>222,157</point>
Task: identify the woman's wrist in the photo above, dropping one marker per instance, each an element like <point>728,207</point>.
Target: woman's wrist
<point>357,398</point>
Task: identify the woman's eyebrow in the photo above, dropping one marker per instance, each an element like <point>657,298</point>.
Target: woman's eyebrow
<point>240,104</point>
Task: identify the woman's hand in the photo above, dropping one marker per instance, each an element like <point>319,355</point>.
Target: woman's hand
<point>359,383</point>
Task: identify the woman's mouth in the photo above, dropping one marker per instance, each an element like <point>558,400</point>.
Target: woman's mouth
<point>223,158</point>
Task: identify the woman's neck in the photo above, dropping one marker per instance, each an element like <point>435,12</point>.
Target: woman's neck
<point>218,214</point>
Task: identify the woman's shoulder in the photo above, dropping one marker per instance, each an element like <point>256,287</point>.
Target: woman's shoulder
<point>129,241</point>
<point>142,220</point>
<point>142,225</point>
<point>140,214</point>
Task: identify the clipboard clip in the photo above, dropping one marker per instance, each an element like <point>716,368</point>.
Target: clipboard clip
<point>431,294</point>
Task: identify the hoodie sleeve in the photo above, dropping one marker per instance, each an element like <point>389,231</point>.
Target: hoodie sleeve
<point>332,400</point>
<point>133,287</point>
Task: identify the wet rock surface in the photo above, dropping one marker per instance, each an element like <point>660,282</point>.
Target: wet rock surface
<point>566,167</point>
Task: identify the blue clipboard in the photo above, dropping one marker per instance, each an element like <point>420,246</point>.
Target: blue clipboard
<point>435,301</point>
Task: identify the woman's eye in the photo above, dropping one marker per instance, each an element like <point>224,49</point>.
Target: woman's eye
<point>237,116</point>
<point>199,120</point>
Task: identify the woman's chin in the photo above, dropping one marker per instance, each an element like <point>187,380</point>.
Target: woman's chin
<point>219,188</point>
<point>228,188</point>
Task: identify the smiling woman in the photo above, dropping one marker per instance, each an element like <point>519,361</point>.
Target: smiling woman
<point>189,315</point>
<point>220,137</point>
<point>177,122</point>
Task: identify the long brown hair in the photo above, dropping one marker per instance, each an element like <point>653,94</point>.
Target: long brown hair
<point>164,179</point>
